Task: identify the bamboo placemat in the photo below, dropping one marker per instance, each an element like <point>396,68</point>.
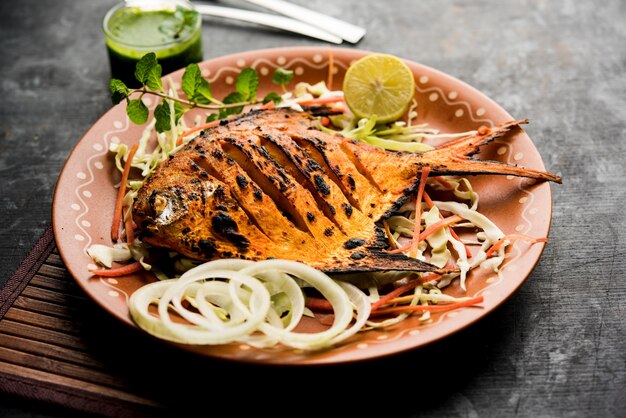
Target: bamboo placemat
<point>58,347</point>
<point>53,342</point>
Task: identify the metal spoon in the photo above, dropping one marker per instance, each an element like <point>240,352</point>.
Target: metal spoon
<point>270,20</point>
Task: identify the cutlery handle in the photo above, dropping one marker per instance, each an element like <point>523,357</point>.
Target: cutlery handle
<point>345,30</point>
<point>265,19</point>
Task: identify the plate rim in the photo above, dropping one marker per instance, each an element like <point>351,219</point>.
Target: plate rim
<point>309,50</point>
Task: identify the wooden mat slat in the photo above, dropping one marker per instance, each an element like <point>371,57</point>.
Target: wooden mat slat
<point>54,259</point>
<point>53,271</point>
<point>54,297</point>
<point>36,305</point>
<point>43,321</point>
<point>47,350</point>
<point>28,345</point>
<point>61,367</point>
<point>50,283</point>
<point>59,338</point>
<point>71,384</point>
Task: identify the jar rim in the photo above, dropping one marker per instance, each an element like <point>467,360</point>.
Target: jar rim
<point>161,5</point>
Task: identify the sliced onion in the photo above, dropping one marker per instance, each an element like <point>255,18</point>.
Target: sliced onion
<point>363,308</point>
<point>232,303</point>
<point>326,286</point>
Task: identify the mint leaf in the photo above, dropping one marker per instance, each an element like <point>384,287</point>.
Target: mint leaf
<point>247,83</point>
<point>144,66</point>
<point>179,111</point>
<point>137,111</point>
<point>203,93</point>
<point>153,80</point>
<point>119,91</point>
<point>282,76</point>
<point>212,117</point>
<point>234,97</point>
<point>162,116</point>
<point>191,80</point>
<point>272,97</point>
<point>194,86</point>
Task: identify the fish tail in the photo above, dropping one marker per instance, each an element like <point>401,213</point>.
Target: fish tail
<point>454,157</point>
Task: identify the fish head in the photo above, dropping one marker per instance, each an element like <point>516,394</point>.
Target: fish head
<point>165,207</point>
<point>160,208</point>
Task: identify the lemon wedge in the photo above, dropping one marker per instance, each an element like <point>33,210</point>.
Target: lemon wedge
<point>379,85</point>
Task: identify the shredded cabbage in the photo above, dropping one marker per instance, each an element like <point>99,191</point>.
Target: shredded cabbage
<point>262,303</point>
<point>106,255</point>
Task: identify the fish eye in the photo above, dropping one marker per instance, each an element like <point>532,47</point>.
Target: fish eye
<point>159,205</point>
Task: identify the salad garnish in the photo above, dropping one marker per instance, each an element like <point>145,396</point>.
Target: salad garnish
<point>261,303</point>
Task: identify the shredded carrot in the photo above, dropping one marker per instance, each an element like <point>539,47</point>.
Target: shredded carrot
<point>318,304</point>
<point>324,305</point>
<point>325,121</point>
<point>430,204</point>
<point>331,70</point>
<point>321,101</point>
<point>196,129</point>
<point>429,201</point>
<point>394,297</point>
<point>269,105</point>
<point>445,222</point>
<point>403,289</point>
<point>468,253</point>
<point>400,300</point>
<point>443,182</point>
<point>388,232</point>
<point>400,249</point>
<point>450,220</point>
<point>117,214</point>
<point>409,298</point>
<point>430,308</point>
<point>495,247</point>
<point>129,226</point>
<point>119,271</point>
<point>418,211</point>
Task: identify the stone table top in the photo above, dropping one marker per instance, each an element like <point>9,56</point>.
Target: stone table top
<point>557,347</point>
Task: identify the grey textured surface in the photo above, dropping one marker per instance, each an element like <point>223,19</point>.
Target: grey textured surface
<point>557,347</point>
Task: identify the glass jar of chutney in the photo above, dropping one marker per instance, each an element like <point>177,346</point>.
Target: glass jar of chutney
<point>172,29</point>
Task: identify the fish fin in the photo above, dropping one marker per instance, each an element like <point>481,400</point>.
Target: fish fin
<point>381,268</point>
<point>322,110</point>
<point>453,158</point>
<point>379,260</point>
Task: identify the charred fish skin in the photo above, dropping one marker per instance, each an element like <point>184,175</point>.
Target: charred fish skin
<point>268,184</point>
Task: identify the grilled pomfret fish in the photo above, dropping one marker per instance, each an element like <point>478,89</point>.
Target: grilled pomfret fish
<point>267,184</point>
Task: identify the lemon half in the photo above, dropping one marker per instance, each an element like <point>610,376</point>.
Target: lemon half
<point>379,84</point>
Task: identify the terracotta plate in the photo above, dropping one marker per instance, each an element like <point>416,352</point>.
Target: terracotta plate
<point>84,200</point>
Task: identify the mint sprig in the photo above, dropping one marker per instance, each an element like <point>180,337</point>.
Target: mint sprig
<point>119,91</point>
<point>197,92</point>
<point>282,77</point>
<point>148,72</point>
<point>196,87</point>
<point>247,83</point>
<point>137,111</point>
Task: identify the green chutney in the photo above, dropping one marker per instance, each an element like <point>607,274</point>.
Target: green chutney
<point>173,34</point>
